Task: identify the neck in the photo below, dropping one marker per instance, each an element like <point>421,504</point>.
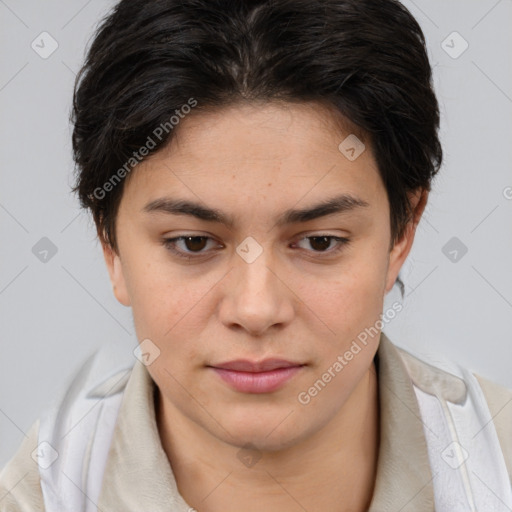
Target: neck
<point>334,469</point>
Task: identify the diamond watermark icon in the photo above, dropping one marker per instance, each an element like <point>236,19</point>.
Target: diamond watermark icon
<point>454,455</point>
<point>146,352</point>
<point>44,455</point>
<point>249,249</point>
<point>351,147</point>
<point>248,455</point>
<point>454,45</point>
<point>44,250</point>
<point>454,249</point>
<point>44,45</point>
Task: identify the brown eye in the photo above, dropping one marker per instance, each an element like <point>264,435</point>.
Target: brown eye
<point>195,243</point>
<point>323,243</point>
<point>320,243</point>
<point>187,246</point>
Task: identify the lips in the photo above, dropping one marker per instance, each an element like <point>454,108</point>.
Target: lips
<point>257,377</point>
<point>244,365</point>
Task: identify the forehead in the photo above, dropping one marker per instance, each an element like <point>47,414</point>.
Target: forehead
<point>256,151</point>
<point>264,129</point>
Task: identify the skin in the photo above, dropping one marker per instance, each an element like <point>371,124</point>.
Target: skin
<point>293,302</point>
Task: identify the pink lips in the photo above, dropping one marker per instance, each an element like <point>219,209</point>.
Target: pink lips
<point>257,377</point>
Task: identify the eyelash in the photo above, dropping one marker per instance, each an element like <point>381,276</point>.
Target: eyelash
<point>169,244</point>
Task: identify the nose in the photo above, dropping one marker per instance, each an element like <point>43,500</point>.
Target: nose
<point>256,297</point>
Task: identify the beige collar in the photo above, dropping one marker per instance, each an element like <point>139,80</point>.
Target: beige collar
<point>404,478</point>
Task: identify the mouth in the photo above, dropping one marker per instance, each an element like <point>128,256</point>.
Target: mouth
<point>257,377</point>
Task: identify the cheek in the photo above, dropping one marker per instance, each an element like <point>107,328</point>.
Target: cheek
<point>170,306</point>
<point>351,298</point>
<point>158,295</point>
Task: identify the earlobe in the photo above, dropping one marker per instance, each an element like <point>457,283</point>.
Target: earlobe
<point>402,247</point>
<point>398,255</point>
<point>116,273</point>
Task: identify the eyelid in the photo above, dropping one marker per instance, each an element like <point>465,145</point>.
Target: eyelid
<point>169,242</point>
<point>342,241</point>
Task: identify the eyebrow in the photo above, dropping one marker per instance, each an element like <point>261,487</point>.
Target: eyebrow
<point>340,204</point>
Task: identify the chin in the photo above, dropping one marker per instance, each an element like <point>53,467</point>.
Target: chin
<point>265,432</point>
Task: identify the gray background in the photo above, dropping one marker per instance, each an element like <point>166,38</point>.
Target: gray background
<point>55,313</point>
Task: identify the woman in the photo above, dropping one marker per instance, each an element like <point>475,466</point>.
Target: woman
<point>256,172</point>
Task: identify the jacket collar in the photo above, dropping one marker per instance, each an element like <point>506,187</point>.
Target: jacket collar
<point>138,475</point>
<point>404,478</point>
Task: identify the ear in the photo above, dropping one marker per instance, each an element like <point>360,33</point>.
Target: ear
<point>116,273</point>
<point>402,247</point>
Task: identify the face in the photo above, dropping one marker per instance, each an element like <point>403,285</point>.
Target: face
<point>265,271</point>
